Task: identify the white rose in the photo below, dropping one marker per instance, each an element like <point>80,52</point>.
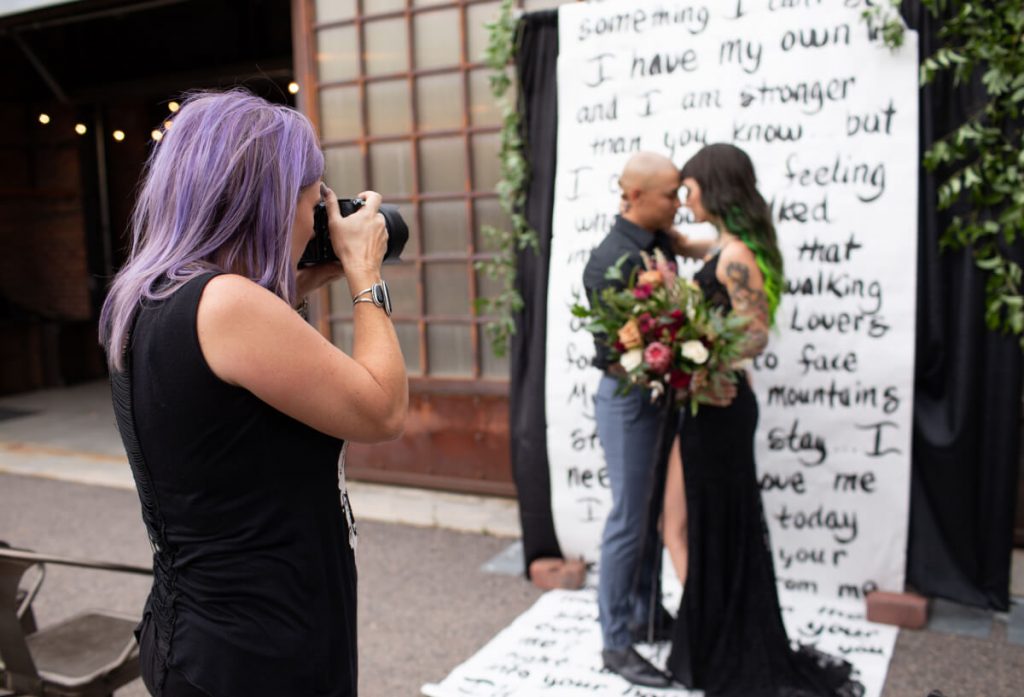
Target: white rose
<point>632,359</point>
<point>695,351</point>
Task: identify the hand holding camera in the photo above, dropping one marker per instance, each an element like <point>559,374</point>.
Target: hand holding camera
<point>359,239</point>
<point>333,219</point>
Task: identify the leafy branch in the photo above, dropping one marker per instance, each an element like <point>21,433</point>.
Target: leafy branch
<point>982,160</point>
<point>511,188</point>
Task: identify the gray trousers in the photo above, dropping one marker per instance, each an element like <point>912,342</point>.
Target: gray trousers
<point>628,429</point>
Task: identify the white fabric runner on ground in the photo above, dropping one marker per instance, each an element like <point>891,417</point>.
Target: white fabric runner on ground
<point>555,648</point>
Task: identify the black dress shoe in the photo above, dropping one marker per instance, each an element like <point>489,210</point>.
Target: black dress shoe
<point>634,668</point>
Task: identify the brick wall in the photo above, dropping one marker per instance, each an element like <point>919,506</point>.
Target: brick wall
<point>47,328</point>
<point>43,265</point>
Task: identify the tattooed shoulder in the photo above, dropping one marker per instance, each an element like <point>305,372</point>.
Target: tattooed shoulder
<point>743,295</point>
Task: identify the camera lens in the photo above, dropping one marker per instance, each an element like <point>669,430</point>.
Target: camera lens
<point>398,231</point>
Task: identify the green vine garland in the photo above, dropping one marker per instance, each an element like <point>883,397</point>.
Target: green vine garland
<point>511,188</point>
<point>985,155</point>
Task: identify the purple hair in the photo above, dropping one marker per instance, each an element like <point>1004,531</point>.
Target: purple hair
<point>218,193</point>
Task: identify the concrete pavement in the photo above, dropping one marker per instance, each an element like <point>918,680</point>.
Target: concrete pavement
<point>426,601</point>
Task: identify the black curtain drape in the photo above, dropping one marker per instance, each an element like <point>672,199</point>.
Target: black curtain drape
<point>967,391</point>
<point>536,58</point>
<point>967,380</point>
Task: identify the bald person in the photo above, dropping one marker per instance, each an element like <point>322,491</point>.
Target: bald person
<point>627,425</point>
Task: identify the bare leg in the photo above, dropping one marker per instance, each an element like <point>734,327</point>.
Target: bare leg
<point>674,521</point>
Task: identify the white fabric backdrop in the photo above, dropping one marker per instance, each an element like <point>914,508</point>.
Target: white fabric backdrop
<point>829,118</point>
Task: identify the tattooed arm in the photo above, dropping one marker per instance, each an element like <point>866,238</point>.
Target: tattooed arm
<point>737,270</point>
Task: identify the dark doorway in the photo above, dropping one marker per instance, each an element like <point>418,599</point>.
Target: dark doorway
<point>67,186</point>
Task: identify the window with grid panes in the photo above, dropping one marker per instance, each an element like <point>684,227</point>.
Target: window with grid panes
<point>405,109</point>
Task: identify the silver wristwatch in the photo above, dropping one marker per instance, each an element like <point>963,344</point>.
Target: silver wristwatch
<point>377,294</point>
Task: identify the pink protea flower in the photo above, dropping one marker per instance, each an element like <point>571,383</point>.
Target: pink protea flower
<point>658,357</point>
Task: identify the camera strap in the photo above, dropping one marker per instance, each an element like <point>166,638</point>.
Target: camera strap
<point>346,505</point>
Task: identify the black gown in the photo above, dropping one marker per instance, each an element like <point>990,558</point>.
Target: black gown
<point>729,639</point>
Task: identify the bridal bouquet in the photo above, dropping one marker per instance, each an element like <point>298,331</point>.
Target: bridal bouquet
<point>663,332</point>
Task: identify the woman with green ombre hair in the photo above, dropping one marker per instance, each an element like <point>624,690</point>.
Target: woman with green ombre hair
<point>728,638</point>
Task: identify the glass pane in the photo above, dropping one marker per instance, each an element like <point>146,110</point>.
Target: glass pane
<point>388,107</point>
<point>387,47</point>
<point>341,302</point>
<point>447,288</point>
<point>337,54</point>
<point>490,365</point>
<point>531,5</point>
<point>428,3</point>
<point>488,212</point>
<point>477,34</point>
<point>402,283</point>
<point>437,39</point>
<point>379,7</point>
<point>444,226</point>
<point>341,335</point>
<point>483,109</point>
<point>339,113</point>
<point>344,171</point>
<point>439,102</point>
<point>391,167</point>
<point>449,350</point>
<point>486,165</point>
<point>487,287</point>
<point>409,341</point>
<point>442,165</point>
<point>335,10</point>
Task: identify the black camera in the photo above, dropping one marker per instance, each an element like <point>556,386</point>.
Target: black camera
<point>319,249</point>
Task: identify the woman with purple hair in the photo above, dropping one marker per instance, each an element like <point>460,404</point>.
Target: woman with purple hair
<point>234,411</point>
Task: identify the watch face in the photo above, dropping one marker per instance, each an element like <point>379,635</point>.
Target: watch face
<point>381,296</point>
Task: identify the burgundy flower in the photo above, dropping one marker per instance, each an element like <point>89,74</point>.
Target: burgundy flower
<point>679,380</point>
<point>658,357</point>
<point>646,322</point>
<point>642,292</point>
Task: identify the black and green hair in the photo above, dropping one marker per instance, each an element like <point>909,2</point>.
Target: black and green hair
<point>729,192</point>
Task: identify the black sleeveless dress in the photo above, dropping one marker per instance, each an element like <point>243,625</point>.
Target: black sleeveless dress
<point>729,639</point>
<point>254,588</point>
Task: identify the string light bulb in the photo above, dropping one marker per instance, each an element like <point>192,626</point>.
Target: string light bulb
<point>119,135</point>
<point>293,87</point>
<point>173,106</point>
<point>80,129</point>
<point>44,119</point>
<point>167,124</point>
<point>157,135</point>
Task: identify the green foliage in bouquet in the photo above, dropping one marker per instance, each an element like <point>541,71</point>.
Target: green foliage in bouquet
<point>663,332</point>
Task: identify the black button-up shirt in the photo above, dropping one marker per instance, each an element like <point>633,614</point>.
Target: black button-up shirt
<point>624,238</point>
